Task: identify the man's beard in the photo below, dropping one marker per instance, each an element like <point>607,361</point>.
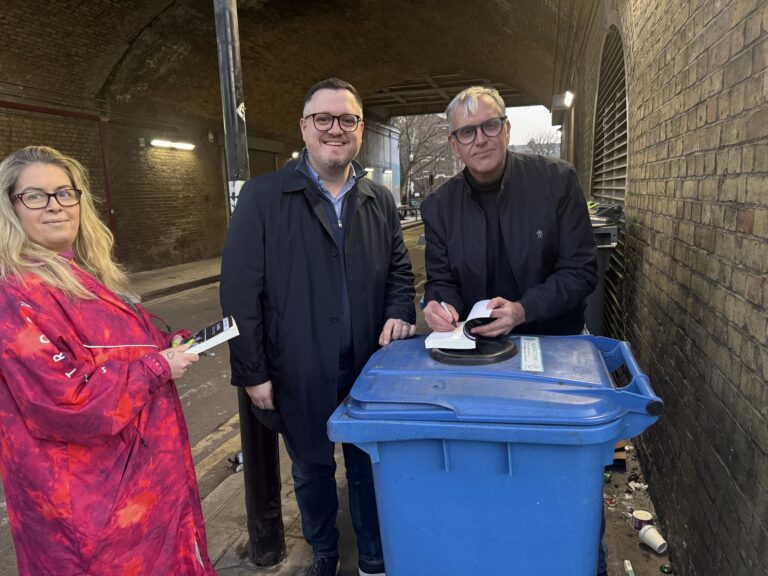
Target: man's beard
<point>335,164</point>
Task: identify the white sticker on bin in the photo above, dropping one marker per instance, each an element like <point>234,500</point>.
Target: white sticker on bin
<point>531,354</point>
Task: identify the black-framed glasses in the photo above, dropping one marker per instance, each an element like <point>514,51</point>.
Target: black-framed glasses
<point>491,127</point>
<point>37,199</point>
<point>324,121</point>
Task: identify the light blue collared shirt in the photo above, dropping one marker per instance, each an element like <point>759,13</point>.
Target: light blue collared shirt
<point>337,202</point>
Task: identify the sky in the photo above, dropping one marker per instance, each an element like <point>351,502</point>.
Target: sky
<point>527,122</point>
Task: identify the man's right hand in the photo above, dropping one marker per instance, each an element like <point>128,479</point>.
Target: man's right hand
<point>438,319</point>
<point>261,395</point>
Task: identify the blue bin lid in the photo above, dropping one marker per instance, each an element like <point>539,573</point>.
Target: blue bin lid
<point>403,382</point>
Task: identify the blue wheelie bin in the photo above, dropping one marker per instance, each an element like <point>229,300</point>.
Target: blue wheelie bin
<point>492,469</point>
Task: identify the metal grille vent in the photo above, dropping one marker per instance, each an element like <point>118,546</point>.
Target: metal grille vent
<point>609,173</point>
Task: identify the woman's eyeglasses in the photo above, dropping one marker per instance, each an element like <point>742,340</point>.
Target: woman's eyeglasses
<point>37,199</point>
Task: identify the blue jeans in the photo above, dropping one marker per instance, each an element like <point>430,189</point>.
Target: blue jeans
<point>315,486</point>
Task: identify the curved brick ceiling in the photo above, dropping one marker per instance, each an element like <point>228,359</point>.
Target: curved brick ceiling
<point>405,56</point>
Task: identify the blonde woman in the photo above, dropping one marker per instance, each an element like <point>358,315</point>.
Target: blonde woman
<point>94,451</point>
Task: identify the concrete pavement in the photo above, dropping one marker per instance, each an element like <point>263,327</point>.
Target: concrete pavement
<point>153,284</point>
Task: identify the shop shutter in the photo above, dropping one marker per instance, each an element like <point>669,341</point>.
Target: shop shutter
<point>609,172</point>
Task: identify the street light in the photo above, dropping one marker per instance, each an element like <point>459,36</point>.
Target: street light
<point>562,104</point>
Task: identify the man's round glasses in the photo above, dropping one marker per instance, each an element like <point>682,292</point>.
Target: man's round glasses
<point>323,121</point>
<point>491,127</point>
<point>37,199</point>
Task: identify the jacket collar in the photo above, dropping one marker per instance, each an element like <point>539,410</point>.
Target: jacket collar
<point>508,169</point>
<point>92,284</point>
<point>297,176</point>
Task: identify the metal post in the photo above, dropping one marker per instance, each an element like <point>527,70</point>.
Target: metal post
<point>261,464</point>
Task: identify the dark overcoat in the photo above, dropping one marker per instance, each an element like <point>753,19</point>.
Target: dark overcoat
<point>281,280</point>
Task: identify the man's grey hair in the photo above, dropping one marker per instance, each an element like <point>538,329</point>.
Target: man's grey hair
<point>466,100</point>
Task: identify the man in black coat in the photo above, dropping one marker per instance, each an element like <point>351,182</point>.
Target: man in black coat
<point>317,276</point>
<point>512,228</point>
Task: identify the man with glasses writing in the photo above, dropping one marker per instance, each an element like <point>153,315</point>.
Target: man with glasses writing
<point>317,276</point>
<point>512,228</point>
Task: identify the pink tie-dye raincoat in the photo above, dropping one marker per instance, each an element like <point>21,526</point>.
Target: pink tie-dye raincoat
<point>94,450</point>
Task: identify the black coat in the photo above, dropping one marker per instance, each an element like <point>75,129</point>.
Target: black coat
<point>281,280</point>
<point>546,232</point>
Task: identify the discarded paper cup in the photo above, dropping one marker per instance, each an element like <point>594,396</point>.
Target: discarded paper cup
<point>651,538</point>
<point>641,518</point>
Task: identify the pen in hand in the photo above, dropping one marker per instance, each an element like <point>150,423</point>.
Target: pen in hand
<point>445,307</point>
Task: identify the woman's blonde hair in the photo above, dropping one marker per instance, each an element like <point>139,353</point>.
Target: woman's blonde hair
<point>93,244</point>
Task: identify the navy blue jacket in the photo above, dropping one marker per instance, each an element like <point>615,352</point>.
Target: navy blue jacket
<point>281,279</point>
<point>546,232</point>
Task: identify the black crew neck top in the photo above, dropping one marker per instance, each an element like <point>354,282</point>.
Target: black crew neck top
<point>499,277</point>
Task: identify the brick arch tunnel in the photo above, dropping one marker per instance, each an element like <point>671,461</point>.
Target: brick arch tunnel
<point>100,79</point>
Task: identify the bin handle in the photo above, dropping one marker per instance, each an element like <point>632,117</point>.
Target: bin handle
<point>618,353</point>
<point>640,384</point>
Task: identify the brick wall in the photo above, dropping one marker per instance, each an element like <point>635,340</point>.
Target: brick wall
<point>69,48</point>
<point>169,205</point>
<point>73,136</point>
<point>697,264</point>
